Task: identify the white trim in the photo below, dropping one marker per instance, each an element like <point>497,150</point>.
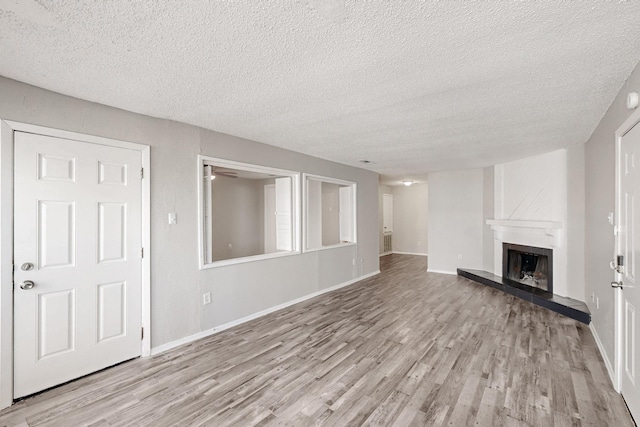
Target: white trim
<point>409,253</point>
<point>442,272</point>
<point>74,136</point>
<point>7,129</point>
<point>305,201</point>
<point>203,334</point>
<point>252,258</point>
<point>603,353</point>
<point>146,244</point>
<point>384,254</point>
<point>322,248</point>
<point>525,224</point>
<point>628,124</point>
<point>6,264</point>
<point>295,197</point>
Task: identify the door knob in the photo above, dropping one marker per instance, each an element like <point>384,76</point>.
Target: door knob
<point>617,285</point>
<point>27,284</point>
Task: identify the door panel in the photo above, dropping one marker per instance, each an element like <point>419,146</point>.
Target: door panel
<point>629,341</point>
<point>113,174</point>
<point>78,220</point>
<point>112,310</point>
<point>56,322</point>
<point>627,243</point>
<point>52,168</point>
<point>56,234</point>
<point>112,235</point>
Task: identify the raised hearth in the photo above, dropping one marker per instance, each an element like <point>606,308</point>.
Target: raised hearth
<point>569,307</point>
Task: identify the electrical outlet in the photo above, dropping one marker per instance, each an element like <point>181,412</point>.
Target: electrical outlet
<point>230,246</point>
<point>597,303</point>
<point>459,257</point>
<point>206,298</point>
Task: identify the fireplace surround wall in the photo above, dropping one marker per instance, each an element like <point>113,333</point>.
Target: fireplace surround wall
<point>528,265</point>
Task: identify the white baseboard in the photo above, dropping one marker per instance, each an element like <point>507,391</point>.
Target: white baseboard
<point>385,254</point>
<point>607,362</point>
<point>409,253</point>
<point>441,272</point>
<point>173,344</point>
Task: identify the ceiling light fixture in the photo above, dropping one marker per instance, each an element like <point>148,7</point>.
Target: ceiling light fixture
<point>632,100</point>
<point>407,183</point>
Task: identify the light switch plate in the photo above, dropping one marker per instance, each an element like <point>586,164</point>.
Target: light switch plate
<point>173,218</point>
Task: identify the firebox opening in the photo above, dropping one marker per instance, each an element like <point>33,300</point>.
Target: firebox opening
<point>528,265</point>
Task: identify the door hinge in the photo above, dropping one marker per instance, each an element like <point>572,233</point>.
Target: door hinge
<point>141,173</point>
<point>141,252</point>
<point>141,333</point>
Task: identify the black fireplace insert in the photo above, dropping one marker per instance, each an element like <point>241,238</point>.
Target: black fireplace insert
<point>528,265</point>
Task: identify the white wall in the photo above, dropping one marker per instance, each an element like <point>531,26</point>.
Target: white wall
<point>410,219</point>
<point>599,201</point>
<point>532,188</point>
<point>535,189</point>
<point>488,212</point>
<point>177,283</point>
<point>456,220</point>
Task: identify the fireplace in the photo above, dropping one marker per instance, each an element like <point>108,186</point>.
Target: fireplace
<point>528,265</point>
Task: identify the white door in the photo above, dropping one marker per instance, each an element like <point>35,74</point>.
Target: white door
<point>628,245</point>
<point>270,218</point>
<point>77,250</point>
<point>387,213</point>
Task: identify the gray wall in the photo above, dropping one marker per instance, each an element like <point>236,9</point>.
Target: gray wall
<point>576,222</point>
<point>410,218</point>
<point>237,217</point>
<point>456,220</point>
<point>599,201</point>
<point>177,283</point>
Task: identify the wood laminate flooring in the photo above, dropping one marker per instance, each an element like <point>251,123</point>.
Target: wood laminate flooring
<point>405,347</point>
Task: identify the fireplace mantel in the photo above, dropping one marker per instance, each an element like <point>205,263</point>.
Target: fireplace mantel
<point>550,231</point>
<point>547,225</point>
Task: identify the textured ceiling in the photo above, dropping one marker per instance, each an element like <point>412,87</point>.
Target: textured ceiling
<point>414,86</point>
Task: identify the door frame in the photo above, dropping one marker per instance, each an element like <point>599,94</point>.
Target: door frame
<point>627,125</point>
<point>7,129</point>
